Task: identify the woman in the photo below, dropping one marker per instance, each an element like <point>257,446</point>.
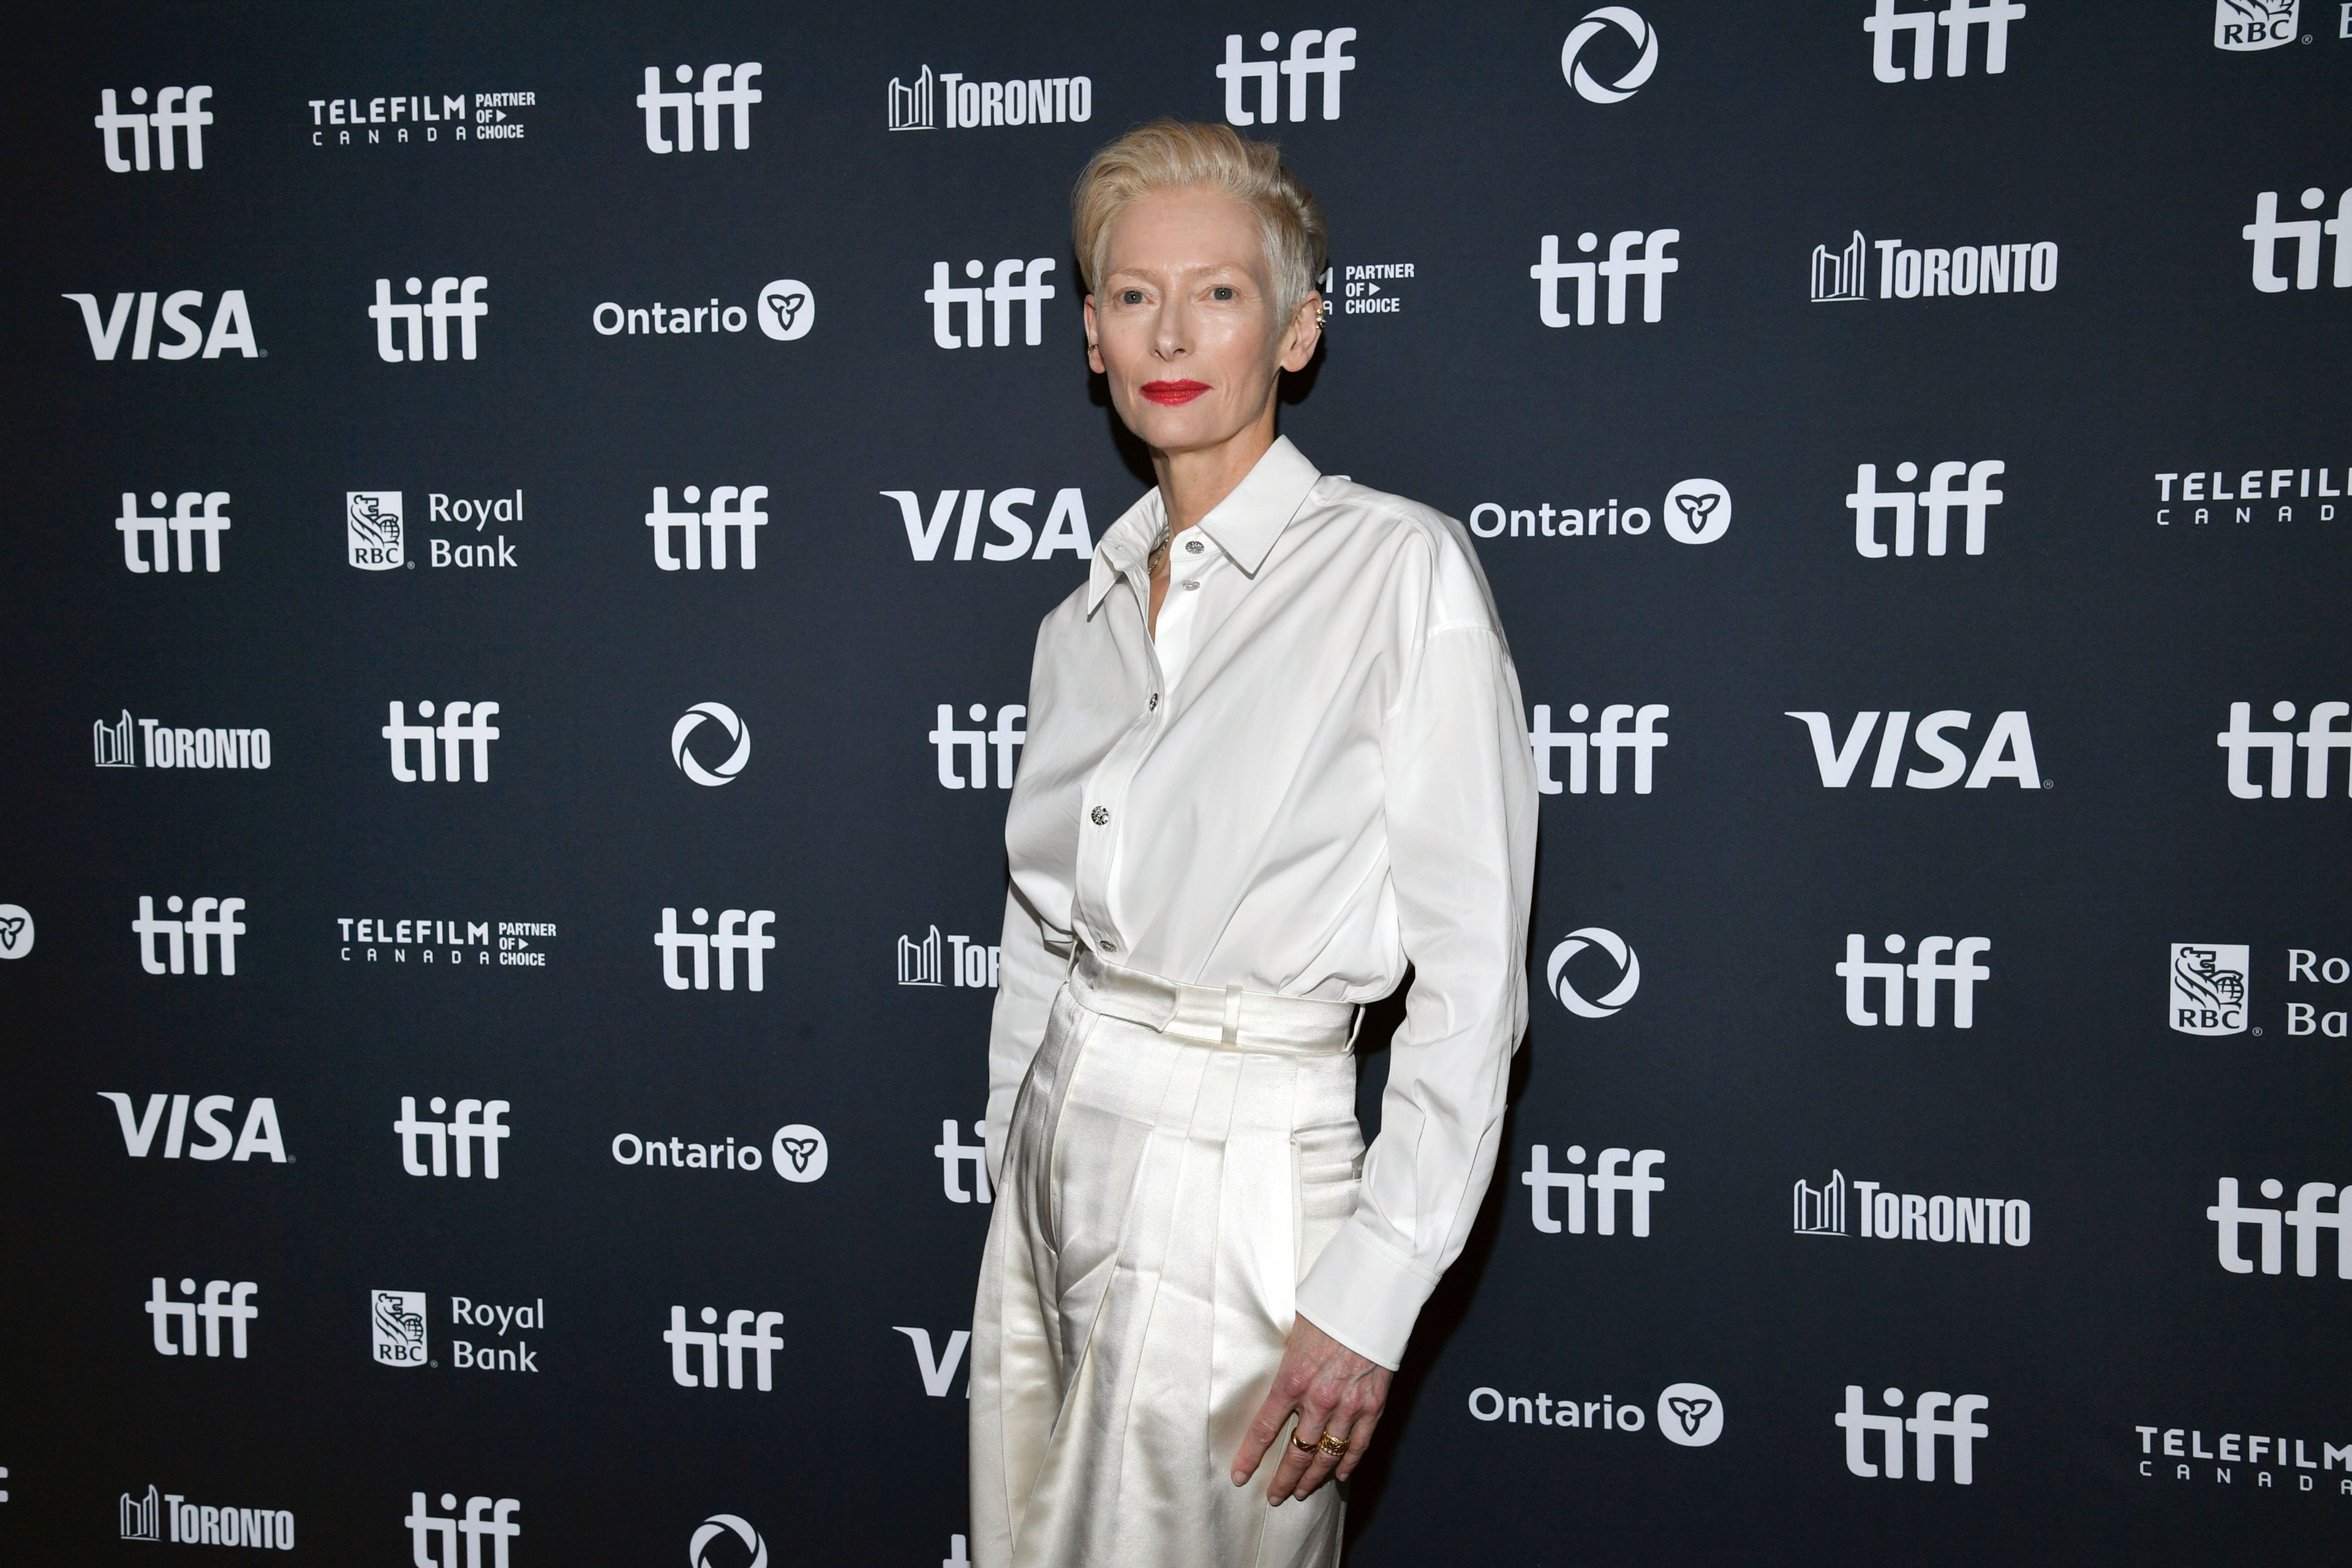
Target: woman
<point>1274,755</point>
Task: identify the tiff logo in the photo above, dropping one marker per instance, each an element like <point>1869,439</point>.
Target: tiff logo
<point>2266,231</point>
<point>1938,502</point>
<point>457,729</point>
<point>1960,18</point>
<point>474,1121</point>
<point>738,931</point>
<point>1926,1425</point>
<point>486,1519</point>
<point>232,325</point>
<point>2320,740</point>
<point>179,111</point>
<point>745,1330</point>
<point>954,1154</point>
<point>224,1302</point>
<point>185,523</point>
<point>970,963</point>
<point>467,308</point>
<point>210,921</point>
<point>1302,63</point>
<point>1065,527</point>
<point>723,86</point>
<point>1644,740</point>
<point>2309,1217</point>
<point>678,535</point>
<point>1651,267</point>
<point>1016,282</point>
<point>1609,1178</point>
<point>1006,738</point>
<point>938,1371</point>
<point>2006,751</point>
<point>259,1135</point>
<point>1940,958</point>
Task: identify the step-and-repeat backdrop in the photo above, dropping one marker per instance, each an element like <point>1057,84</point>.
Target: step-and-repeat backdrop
<point>524,539</point>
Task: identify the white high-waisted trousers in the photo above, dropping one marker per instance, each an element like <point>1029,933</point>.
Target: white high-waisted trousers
<point>1177,1158</point>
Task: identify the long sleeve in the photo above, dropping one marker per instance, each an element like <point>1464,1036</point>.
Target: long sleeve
<point>1461,808</point>
<point>1028,973</point>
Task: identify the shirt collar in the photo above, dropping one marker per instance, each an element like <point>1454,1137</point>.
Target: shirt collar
<point>1243,525</point>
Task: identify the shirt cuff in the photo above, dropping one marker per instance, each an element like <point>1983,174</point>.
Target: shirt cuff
<point>1364,1294</point>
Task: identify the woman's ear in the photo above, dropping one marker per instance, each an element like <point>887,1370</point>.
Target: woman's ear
<point>1304,331</point>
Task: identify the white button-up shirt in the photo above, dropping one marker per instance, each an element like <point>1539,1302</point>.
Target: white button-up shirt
<point>1318,775</point>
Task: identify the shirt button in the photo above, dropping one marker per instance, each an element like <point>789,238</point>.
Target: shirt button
<point>1191,583</point>
<point>1100,816</point>
<point>1194,546</point>
<point>1153,703</point>
<point>1107,946</point>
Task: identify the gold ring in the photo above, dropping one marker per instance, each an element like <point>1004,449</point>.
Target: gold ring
<point>1304,1445</point>
<point>1332,1445</point>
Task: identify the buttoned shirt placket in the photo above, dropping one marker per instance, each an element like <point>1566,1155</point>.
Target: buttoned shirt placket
<point>1104,800</point>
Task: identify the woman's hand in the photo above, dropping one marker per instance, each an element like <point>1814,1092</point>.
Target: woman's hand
<point>1335,1392</point>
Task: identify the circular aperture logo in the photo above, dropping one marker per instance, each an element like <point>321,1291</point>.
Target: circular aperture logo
<point>736,731</point>
<point>720,1525</point>
<point>1627,21</point>
<point>1610,1002</point>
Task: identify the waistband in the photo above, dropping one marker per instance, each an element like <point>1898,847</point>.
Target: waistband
<point>1228,1017</point>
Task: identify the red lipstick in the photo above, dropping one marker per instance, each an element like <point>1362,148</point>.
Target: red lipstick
<point>1172,393</point>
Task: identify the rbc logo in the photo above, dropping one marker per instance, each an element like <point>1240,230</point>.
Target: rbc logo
<point>2240,26</point>
<point>375,534</point>
<point>397,1319</point>
<point>2209,988</point>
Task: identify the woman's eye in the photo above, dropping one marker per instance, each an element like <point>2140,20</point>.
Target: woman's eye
<point>1224,291</point>
<point>1130,296</point>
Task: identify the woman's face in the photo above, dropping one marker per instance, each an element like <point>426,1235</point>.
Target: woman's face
<point>1183,322</point>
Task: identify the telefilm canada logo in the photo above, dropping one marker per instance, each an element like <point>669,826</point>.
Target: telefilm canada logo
<point>176,123</point>
<point>1688,1414</point>
<point>169,1517</point>
<point>785,311</point>
<point>441,943</point>
<point>1932,272</point>
<point>2275,494</point>
<point>419,118</point>
<point>375,530</point>
<point>950,101</point>
<point>155,543</point>
<point>1694,512</point>
<point>155,744</point>
<point>2165,1452</point>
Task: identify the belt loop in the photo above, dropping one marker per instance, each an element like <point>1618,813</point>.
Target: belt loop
<point>1233,1015</point>
<point>1355,1026</point>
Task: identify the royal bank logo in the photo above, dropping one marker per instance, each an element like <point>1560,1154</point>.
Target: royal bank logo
<point>680,536</point>
<point>964,961</point>
<point>726,1526</point>
<point>419,118</point>
<point>798,1154</point>
<point>1640,37</point>
<point>145,547</point>
<point>670,117</point>
<point>177,121</point>
<point>1609,1177</point>
<point>155,744</point>
<point>965,105</point>
<point>436,941</point>
<point>173,1115</point>
<point>225,1301</point>
<point>1694,511</point>
<point>1883,1215</point>
<point>2006,751</point>
<point>737,734</point>
<point>374,532</point>
<point>171,1517</point>
<point>1644,740</point>
<point>15,930</point>
<point>1973,499</point>
<point>1932,272</point>
<point>1939,1422</point>
<point>396,1325</point>
<point>2265,233</point>
<point>2242,26</point>
<point>957,514</point>
<point>433,1537</point>
<point>1651,266</point>
<point>1891,30</point>
<point>1014,282</point>
<point>2320,741</point>
<point>232,325</point>
<point>210,928</point>
<point>2309,1217</point>
<point>2209,988</point>
<point>1942,962</point>
<point>400,329</point>
<point>1688,1414</point>
<point>784,310</point>
<point>1612,993</point>
<point>1314,55</point>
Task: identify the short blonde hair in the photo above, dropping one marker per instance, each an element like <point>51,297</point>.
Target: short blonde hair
<point>1173,154</point>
